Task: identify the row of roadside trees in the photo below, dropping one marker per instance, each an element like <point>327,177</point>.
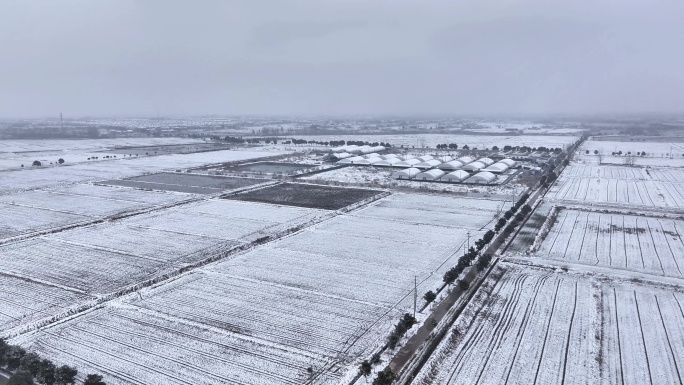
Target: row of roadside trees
<point>30,368</point>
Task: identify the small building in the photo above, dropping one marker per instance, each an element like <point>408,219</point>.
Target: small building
<point>450,166</point>
<point>475,166</point>
<point>408,173</point>
<point>387,162</point>
<point>433,174</point>
<point>428,164</point>
<point>408,163</point>
<point>456,176</point>
<point>482,178</point>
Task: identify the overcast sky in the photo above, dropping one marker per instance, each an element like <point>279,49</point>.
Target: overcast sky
<point>317,57</point>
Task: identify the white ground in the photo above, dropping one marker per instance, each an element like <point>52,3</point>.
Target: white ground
<point>541,327</point>
<point>635,243</point>
<point>32,211</point>
<point>14,153</point>
<point>107,257</point>
<point>323,298</point>
<point>51,177</point>
<point>624,186</point>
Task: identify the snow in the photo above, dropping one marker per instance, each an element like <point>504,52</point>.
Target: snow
<point>540,326</point>
<point>624,186</point>
<point>383,177</point>
<point>325,297</point>
<point>636,243</point>
<point>50,177</point>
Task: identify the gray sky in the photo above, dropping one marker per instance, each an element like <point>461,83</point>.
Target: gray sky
<point>126,57</point>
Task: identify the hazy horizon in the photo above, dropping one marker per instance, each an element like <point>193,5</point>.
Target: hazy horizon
<point>340,58</point>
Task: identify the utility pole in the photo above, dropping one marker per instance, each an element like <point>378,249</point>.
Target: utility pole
<point>415,294</point>
<point>468,240</point>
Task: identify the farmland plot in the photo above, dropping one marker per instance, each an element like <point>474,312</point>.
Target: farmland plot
<point>537,327</point>
<point>120,193</point>
<point>289,316</point>
<point>636,243</point>
<point>53,177</point>
<point>436,210</point>
<point>149,243</point>
<point>16,220</point>
<point>619,191</point>
<point>131,347</point>
<point>529,327</point>
<point>91,270</point>
<point>23,301</point>
<point>187,183</point>
<point>225,219</point>
<point>92,206</point>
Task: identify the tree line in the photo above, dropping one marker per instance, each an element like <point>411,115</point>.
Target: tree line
<point>454,146</point>
<point>386,376</point>
<point>30,368</point>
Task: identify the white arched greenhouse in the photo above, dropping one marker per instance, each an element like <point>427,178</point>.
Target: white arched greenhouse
<point>486,161</point>
<point>450,166</point>
<point>456,176</point>
<point>433,174</point>
<point>408,163</point>
<point>428,164</point>
<point>387,162</point>
<point>497,168</point>
<point>482,177</point>
<point>475,166</point>
<point>408,173</point>
<point>509,162</point>
<point>465,159</point>
<point>351,160</point>
<point>423,158</point>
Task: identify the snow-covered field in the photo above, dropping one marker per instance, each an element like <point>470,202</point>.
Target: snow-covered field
<point>14,153</point>
<point>625,186</point>
<point>106,257</point>
<point>534,326</point>
<point>38,210</point>
<point>50,177</point>
<point>23,301</point>
<point>324,298</point>
<point>132,346</point>
<point>636,243</point>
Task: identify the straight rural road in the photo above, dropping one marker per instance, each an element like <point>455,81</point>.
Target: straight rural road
<point>422,336</point>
